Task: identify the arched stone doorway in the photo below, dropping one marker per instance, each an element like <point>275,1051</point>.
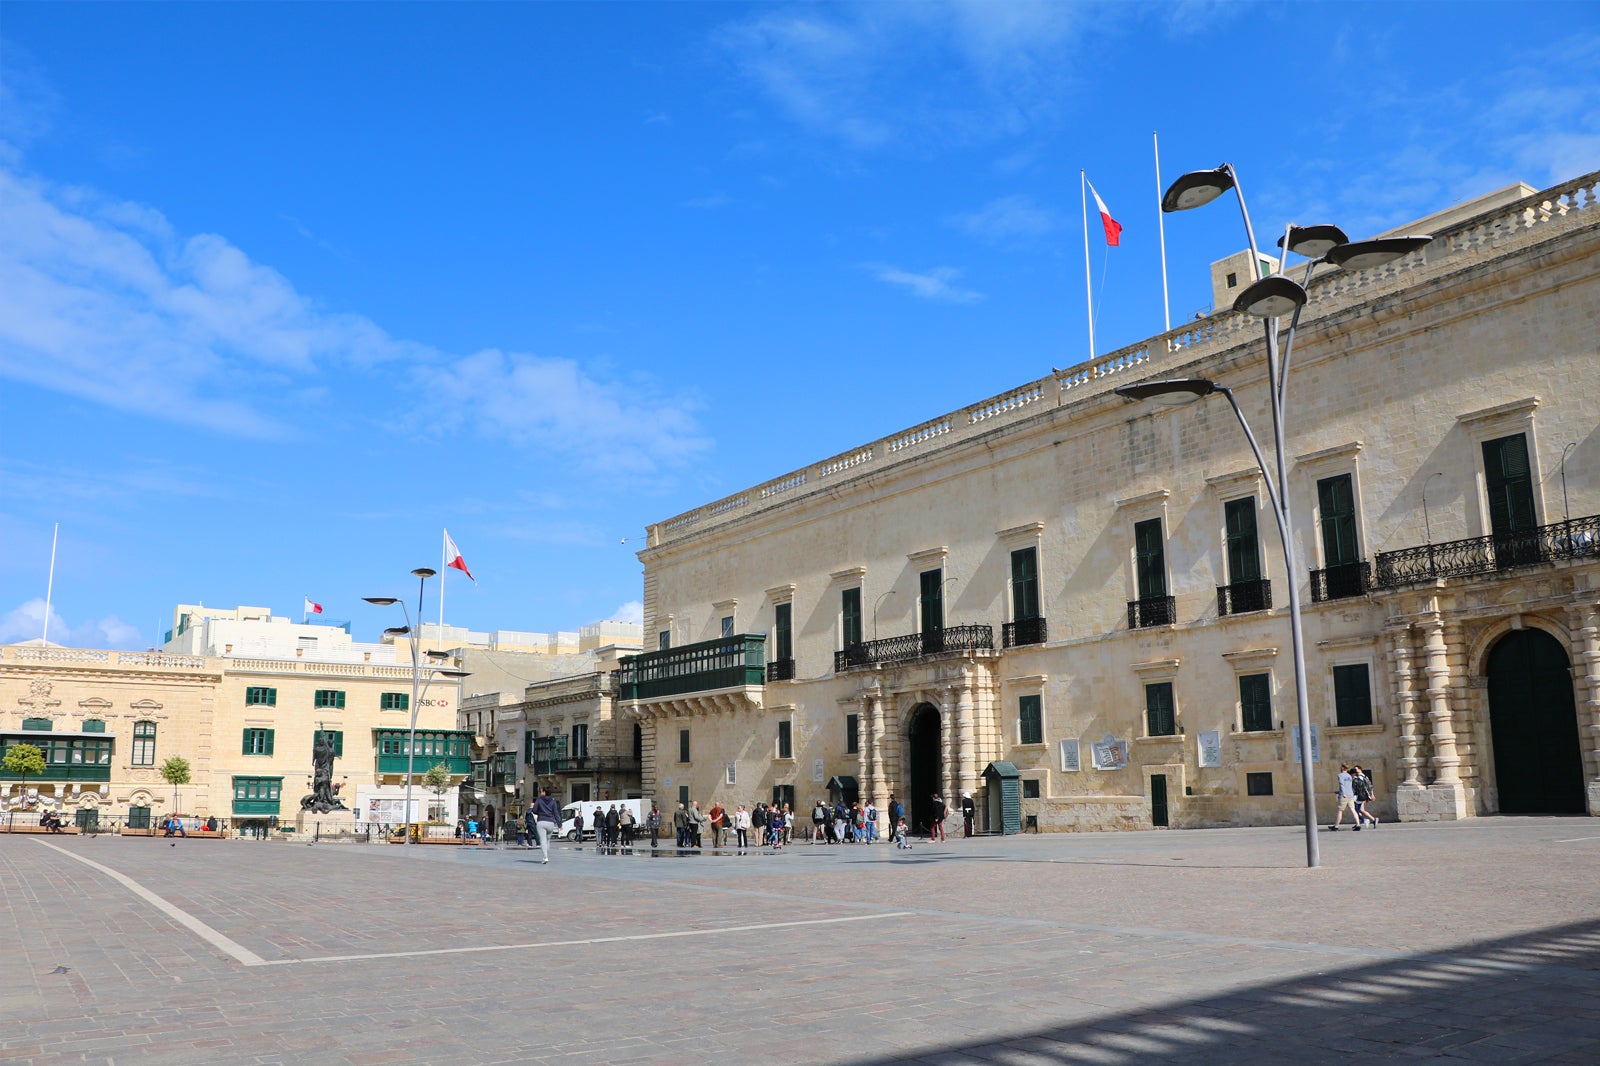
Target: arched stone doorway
<point>924,769</point>
<point>1533,721</point>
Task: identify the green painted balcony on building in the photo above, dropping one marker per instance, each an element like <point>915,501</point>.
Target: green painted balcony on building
<point>728,662</point>
<point>68,756</point>
<point>453,747</point>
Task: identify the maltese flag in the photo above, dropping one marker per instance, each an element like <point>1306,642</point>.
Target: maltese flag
<point>1113,227</point>
<point>313,608</point>
<point>452,557</point>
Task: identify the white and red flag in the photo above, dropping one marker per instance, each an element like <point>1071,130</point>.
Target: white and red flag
<point>1113,227</point>
<point>452,557</point>
<point>313,608</point>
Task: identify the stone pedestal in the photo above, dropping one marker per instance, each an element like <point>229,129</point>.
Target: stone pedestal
<point>309,825</point>
<point>1594,799</point>
<point>1444,802</point>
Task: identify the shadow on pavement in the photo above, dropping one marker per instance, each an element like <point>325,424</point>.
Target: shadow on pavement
<point>1531,998</point>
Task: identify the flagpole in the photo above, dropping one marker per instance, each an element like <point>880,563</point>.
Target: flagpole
<point>1161,224</point>
<point>1088,279</point>
<point>444,567</point>
<point>50,584</point>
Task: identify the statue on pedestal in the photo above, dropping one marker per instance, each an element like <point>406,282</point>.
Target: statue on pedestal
<point>322,798</point>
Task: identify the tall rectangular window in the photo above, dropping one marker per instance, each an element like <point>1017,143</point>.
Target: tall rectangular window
<point>580,740</point>
<point>1150,559</point>
<point>260,696</point>
<point>852,734</point>
<point>850,611</point>
<point>785,740</point>
<point>932,601</point>
<point>329,697</point>
<point>1509,481</point>
<point>1244,551</point>
<point>1255,702</point>
<point>683,745</point>
<point>1352,695</point>
<point>144,743</point>
<point>1024,584</point>
<point>783,632</point>
<point>727,626</point>
<point>1336,499</point>
<point>530,740</point>
<point>1161,719</point>
<point>258,742</point>
<point>683,796</point>
<point>394,701</point>
<point>664,640</point>
<point>1030,719</point>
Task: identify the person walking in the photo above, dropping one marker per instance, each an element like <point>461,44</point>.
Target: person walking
<point>819,818</point>
<point>872,822</point>
<point>788,824</point>
<point>680,825</point>
<point>897,810</point>
<point>1362,784</point>
<point>697,823</point>
<point>1347,800</point>
<point>941,810</point>
<point>546,819</point>
<point>741,827</point>
<point>652,822</point>
<point>530,821</point>
<point>613,828</point>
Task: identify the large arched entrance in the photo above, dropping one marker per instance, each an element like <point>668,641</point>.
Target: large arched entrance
<point>1533,720</point>
<point>926,743</point>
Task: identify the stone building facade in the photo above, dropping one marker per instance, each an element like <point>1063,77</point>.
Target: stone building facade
<point>1086,593</point>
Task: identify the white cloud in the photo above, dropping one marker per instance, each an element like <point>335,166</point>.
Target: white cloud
<point>102,300</point>
<point>632,611</point>
<point>1006,219</point>
<point>26,622</point>
<point>936,284</point>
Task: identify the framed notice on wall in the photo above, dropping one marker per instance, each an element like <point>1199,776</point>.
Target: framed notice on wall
<point>1109,753</point>
<point>1211,749</point>
<point>1069,756</point>
<point>1294,743</point>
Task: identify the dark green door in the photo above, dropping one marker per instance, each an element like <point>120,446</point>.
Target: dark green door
<point>1533,721</point>
<point>932,601</point>
<point>1158,800</point>
<point>87,819</point>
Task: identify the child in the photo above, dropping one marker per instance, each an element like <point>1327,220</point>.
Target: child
<point>900,832</point>
<point>775,828</point>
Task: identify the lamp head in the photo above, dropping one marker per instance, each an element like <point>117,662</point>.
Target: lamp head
<point>435,654</point>
<point>396,631</point>
<point>1170,390</point>
<point>423,571</point>
<point>1313,242</point>
<point>1271,297</point>
<point>381,601</point>
<point>1359,255</point>
<point>1197,188</point>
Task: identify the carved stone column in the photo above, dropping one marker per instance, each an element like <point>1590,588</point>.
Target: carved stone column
<point>1588,657</point>
<point>1447,795</point>
<point>949,773</point>
<point>966,740</point>
<point>887,737</point>
<point>867,736</point>
<point>1405,686</point>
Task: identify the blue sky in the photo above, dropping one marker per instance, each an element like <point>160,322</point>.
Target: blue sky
<point>286,289</point>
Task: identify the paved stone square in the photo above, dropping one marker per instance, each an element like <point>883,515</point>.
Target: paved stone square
<point>1476,941</point>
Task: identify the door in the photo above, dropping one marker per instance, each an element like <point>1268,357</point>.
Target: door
<point>926,742</point>
<point>1508,480</point>
<point>88,819</point>
<point>1533,722</point>
<point>1158,800</point>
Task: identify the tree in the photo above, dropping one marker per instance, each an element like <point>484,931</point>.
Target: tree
<point>24,759</point>
<point>175,772</point>
<point>437,781</point>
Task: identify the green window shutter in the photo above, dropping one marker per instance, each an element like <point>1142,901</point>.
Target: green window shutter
<point>1030,715</point>
<point>785,740</point>
<point>1509,482</point>
<point>1160,716</point>
<point>42,725</point>
<point>1255,702</point>
<point>1150,559</point>
<point>783,634</point>
<point>683,745</point>
<point>1244,554</point>
<point>932,600</point>
<point>850,602</point>
<point>244,745</point>
<point>1352,695</point>
<point>852,734</point>
<point>269,733</point>
<point>1336,499</point>
<point>1024,584</point>
<point>528,739</point>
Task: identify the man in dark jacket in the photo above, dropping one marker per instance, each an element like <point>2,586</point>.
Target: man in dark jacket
<point>613,827</point>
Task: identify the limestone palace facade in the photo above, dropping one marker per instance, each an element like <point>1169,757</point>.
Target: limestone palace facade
<point>1073,606</point>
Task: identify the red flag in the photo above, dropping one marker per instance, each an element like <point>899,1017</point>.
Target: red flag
<point>313,608</point>
<point>452,557</point>
<point>1113,227</point>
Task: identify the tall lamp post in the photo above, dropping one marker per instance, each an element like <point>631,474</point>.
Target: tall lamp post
<point>1270,298</point>
<point>418,687</point>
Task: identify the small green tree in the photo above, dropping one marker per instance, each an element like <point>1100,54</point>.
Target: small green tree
<point>437,781</point>
<point>24,759</point>
<point>175,772</point>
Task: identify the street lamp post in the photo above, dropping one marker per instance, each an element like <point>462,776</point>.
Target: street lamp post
<point>1270,298</point>
<point>418,687</point>
<point>878,603</point>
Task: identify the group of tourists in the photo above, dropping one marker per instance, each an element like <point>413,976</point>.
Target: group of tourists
<point>1355,795</point>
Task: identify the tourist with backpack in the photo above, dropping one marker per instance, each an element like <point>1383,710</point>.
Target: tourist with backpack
<point>1362,785</point>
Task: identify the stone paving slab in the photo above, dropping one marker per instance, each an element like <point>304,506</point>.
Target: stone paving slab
<point>1478,941</point>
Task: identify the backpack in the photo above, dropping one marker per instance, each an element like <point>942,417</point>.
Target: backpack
<point>1363,788</point>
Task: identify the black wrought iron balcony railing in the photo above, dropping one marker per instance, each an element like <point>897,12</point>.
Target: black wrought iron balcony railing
<point>1341,581</point>
<point>1023,631</point>
<point>1572,539</point>
<point>780,670</point>
<point>1243,596</point>
<point>914,646</point>
<point>1155,611</point>
<point>585,764</point>
<point>727,662</point>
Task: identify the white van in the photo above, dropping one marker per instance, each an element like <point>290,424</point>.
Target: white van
<point>569,827</point>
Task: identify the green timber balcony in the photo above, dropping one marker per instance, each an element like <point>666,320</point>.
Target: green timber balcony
<point>728,662</point>
<point>453,747</point>
<point>72,756</point>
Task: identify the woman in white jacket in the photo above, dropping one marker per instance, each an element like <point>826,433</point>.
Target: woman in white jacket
<point>741,826</point>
